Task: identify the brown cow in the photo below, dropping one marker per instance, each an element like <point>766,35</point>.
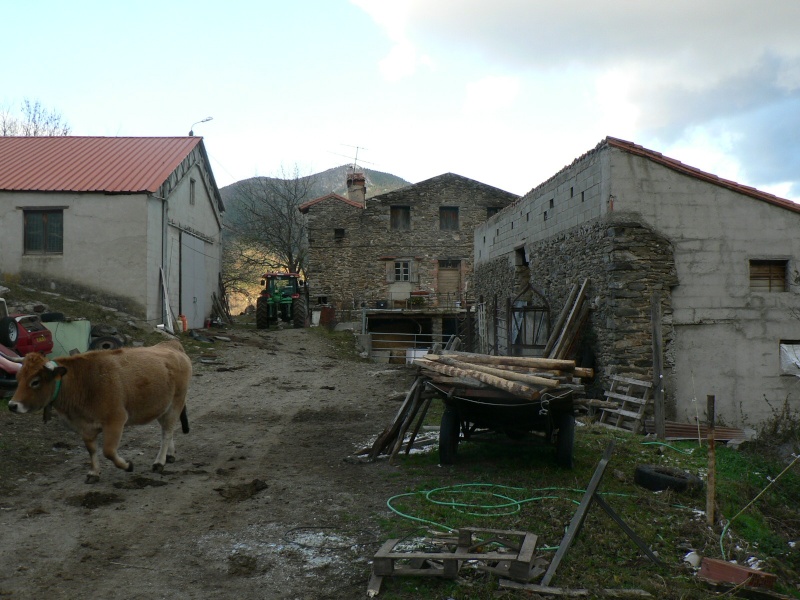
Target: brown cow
<point>106,389</point>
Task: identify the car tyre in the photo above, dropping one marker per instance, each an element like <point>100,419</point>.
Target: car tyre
<point>658,478</point>
<point>9,332</point>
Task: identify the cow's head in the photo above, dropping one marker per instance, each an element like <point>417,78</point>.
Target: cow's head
<point>36,384</point>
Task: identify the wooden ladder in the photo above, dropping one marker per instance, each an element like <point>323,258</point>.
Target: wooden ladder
<point>633,396</point>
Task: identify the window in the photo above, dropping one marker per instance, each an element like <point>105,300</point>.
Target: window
<point>448,218</point>
<point>768,275</point>
<point>338,234</point>
<point>492,211</point>
<point>790,357</point>
<point>400,218</point>
<point>402,270</point>
<point>44,231</point>
<point>191,191</point>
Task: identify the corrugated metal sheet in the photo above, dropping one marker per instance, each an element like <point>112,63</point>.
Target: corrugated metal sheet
<point>90,164</point>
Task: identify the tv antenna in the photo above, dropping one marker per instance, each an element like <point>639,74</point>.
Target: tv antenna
<point>355,159</point>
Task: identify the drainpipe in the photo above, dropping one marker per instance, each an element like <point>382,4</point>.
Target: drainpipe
<point>164,221</point>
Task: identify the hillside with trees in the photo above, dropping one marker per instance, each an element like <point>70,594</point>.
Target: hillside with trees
<point>265,231</point>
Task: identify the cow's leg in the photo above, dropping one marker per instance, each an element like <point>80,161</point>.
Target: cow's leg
<point>166,453</point>
<point>90,441</point>
<point>112,434</point>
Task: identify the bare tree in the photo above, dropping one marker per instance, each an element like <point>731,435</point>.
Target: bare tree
<point>268,220</point>
<point>34,120</point>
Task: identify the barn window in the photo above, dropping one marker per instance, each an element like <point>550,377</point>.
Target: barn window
<point>400,218</point>
<point>492,211</point>
<point>768,275</point>
<point>448,218</point>
<point>191,191</point>
<point>338,234</point>
<point>44,231</point>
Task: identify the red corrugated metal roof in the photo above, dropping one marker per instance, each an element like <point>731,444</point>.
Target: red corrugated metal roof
<point>90,164</point>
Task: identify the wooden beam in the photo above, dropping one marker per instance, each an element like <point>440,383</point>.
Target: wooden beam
<point>523,391</point>
<point>510,375</point>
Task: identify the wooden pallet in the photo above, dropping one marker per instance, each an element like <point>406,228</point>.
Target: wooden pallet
<point>513,557</point>
<point>633,396</point>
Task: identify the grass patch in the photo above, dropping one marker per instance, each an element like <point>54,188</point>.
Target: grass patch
<point>520,488</point>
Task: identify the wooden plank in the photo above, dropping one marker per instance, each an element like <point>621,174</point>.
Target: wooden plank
<point>658,365</point>
<point>624,397</point>
<point>560,347</point>
<point>580,515</point>
<point>562,317</point>
<point>639,382</point>
<point>520,568</point>
<point>625,413</point>
<point>574,593</point>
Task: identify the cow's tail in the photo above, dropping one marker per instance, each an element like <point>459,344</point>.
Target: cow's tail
<point>184,421</point>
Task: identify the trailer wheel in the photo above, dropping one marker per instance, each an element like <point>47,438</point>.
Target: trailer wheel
<point>105,342</point>
<point>262,313</point>
<point>658,478</point>
<point>566,440</point>
<point>448,436</point>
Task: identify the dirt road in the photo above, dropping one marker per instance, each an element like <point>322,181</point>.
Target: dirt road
<point>264,500</point>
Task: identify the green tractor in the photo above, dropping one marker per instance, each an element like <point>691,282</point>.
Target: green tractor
<point>284,297</point>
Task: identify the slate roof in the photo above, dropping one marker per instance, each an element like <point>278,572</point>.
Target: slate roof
<point>90,164</point>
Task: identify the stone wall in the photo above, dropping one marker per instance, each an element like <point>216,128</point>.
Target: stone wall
<point>624,262</point>
<point>352,250</point>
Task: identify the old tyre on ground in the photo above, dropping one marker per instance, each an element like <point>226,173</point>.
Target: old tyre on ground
<point>8,332</point>
<point>658,478</point>
<point>105,342</point>
<point>449,430</point>
<point>300,311</point>
<point>565,441</point>
<point>262,313</point>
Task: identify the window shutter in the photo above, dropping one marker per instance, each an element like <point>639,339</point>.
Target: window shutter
<point>413,267</point>
<point>389,271</point>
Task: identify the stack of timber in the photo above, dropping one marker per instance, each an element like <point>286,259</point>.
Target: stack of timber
<point>527,378</point>
<point>566,331</point>
<point>524,377</point>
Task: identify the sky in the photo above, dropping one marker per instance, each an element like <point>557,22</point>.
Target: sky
<point>506,92</point>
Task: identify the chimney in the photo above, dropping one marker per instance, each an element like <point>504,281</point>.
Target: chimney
<point>357,187</point>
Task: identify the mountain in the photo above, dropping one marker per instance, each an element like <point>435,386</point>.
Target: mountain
<point>333,180</point>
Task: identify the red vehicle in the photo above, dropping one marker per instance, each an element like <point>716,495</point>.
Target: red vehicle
<point>8,369</point>
<point>24,333</point>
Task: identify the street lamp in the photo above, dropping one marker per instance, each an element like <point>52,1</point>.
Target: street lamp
<point>191,130</point>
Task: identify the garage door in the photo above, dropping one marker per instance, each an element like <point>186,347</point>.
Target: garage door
<point>193,280</point>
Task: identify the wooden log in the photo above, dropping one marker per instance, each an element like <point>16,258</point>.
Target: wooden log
<point>389,433</point>
<point>518,389</point>
<point>510,375</point>
<point>519,361</point>
<point>464,382</point>
<point>582,372</point>
<point>407,420</point>
<point>424,411</point>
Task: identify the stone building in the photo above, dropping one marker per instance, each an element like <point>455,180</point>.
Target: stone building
<point>722,257</point>
<point>402,255</point>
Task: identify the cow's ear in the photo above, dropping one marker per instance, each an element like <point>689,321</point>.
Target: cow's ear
<point>60,371</point>
<point>55,368</point>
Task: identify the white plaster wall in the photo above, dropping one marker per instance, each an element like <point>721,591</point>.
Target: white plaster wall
<point>727,337</point>
<point>105,240</point>
<point>201,218</point>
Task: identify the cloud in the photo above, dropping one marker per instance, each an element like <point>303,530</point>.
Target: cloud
<point>490,95</point>
<point>718,70</point>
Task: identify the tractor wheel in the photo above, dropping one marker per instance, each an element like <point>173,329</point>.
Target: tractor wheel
<point>8,332</point>
<point>262,313</point>
<point>105,342</point>
<point>448,436</point>
<point>566,440</point>
<point>300,312</point>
